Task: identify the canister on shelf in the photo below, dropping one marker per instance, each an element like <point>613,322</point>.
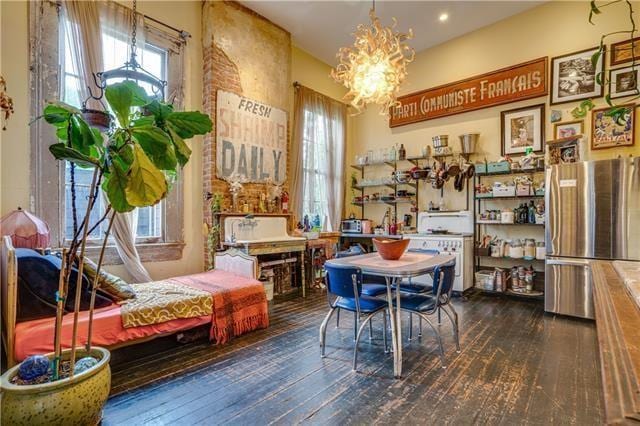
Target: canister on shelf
<point>516,250</point>
<point>529,249</point>
<point>540,250</point>
<point>507,216</point>
<point>501,279</point>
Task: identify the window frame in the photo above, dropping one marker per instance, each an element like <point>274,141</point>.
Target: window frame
<point>47,198</point>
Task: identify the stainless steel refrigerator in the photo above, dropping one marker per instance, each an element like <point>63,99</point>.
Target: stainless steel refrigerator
<point>592,212</point>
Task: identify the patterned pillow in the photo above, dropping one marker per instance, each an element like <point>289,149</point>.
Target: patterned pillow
<point>113,286</point>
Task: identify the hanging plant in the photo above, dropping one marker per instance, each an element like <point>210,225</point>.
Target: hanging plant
<point>617,112</point>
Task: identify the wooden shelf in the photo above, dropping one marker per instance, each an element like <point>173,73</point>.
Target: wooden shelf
<point>513,197</point>
<point>512,172</point>
<point>478,222</point>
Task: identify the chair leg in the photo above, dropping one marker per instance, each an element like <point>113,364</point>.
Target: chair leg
<point>384,330</point>
<point>410,326</point>
<point>439,316</point>
<point>358,334</point>
<point>370,330</point>
<point>419,326</point>
<point>437,333</point>
<point>338,318</point>
<point>355,326</point>
<point>454,323</point>
<point>323,330</point>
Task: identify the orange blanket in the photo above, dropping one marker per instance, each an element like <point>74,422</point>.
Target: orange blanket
<point>239,304</point>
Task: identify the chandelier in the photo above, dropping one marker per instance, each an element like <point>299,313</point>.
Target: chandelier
<point>375,66</point>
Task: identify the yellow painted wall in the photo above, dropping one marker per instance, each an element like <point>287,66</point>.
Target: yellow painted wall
<point>552,29</point>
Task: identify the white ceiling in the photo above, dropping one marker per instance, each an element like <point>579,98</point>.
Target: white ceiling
<point>322,27</point>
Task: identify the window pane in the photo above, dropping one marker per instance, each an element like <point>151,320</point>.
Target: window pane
<point>83,184</point>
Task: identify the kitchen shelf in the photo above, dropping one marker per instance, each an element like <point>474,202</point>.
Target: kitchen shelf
<point>520,259</point>
<point>513,197</point>
<point>392,163</point>
<point>383,185</point>
<point>402,201</point>
<point>481,222</point>
<point>537,295</point>
<point>512,172</point>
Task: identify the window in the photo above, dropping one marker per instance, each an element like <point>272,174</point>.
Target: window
<point>320,136</point>
<point>53,76</point>
<point>115,53</point>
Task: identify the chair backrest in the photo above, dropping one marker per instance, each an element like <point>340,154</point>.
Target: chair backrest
<point>443,277</point>
<point>340,281</point>
<point>351,251</point>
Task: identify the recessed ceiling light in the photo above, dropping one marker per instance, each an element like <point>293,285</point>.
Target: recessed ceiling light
<point>443,17</point>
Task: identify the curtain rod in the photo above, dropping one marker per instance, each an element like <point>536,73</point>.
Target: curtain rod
<point>297,85</point>
<point>182,33</point>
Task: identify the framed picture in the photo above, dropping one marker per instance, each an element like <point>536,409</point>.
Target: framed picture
<point>624,82</point>
<point>564,150</point>
<point>573,77</point>
<point>522,128</point>
<point>568,129</point>
<point>606,133</point>
<point>621,51</point>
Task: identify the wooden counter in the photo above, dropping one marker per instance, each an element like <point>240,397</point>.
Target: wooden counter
<point>618,325</point>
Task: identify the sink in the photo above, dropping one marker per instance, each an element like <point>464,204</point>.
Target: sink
<point>257,230</point>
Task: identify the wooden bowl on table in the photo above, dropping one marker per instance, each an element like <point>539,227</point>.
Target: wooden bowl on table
<point>390,249</point>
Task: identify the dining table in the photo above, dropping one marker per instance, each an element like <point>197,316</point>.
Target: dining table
<point>409,265</point>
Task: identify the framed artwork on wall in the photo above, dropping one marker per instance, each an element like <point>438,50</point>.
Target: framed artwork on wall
<point>568,129</point>
<point>624,82</point>
<point>522,128</point>
<point>606,133</point>
<point>621,51</point>
<point>564,150</point>
<point>573,77</point>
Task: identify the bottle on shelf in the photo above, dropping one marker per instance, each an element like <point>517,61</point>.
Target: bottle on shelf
<point>532,212</point>
<point>402,153</point>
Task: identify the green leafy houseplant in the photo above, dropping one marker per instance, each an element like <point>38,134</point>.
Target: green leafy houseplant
<point>617,112</point>
<point>134,163</point>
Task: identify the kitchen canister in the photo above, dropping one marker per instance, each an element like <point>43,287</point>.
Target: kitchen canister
<point>516,250</point>
<point>529,250</point>
<point>507,216</point>
<point>540,250</point>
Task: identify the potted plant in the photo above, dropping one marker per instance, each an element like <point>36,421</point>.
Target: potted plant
<point>134,162</point>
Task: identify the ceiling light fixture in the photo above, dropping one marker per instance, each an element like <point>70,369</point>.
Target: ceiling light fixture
<point>443,17</point>
<point>375,66</point>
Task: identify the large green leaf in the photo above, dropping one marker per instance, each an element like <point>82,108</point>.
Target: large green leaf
<point>115,184</point>
<point>183,152</point>
<point>58,113</point>
<point>83,136</point>
<point>158,110</point>
<point>62,152</point>
<point>122,96</point>
<point>157,145</point>
<point>188,124</point>
<point>147,185</point>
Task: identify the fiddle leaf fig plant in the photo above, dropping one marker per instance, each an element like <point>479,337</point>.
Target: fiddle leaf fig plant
<point>134,162</point>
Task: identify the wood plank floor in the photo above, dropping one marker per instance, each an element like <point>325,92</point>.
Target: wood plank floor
<point>517,366</point>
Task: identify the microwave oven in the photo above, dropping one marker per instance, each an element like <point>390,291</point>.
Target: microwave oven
<point>351,226</point>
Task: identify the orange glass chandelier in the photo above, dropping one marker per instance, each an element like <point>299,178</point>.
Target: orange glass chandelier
<point>375,66</point>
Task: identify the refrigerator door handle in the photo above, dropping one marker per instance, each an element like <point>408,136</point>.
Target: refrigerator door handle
<point>572,262</point>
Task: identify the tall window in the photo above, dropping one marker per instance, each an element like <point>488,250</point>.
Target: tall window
<point>318,157</point>
<point>54,76</point>
<point>114,54</point>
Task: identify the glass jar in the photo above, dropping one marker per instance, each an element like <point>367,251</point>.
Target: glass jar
<point>516,251</point>
<point>540,250</point>
<point>529,249</point>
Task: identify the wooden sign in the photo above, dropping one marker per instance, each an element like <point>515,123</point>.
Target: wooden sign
<point>523,81</point>
<point>251,139</point>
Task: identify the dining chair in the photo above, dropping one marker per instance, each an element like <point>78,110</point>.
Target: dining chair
<point>372,286</point>
<point>426,305</point>
<point>345,284</point>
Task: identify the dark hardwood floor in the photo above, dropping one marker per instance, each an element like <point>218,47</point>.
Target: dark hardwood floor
<point>517,366</point>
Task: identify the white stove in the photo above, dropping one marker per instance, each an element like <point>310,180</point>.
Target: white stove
<point>449,233</point>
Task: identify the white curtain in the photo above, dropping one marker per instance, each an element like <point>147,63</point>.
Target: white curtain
<point>318,152</point>
<point>90,25</point>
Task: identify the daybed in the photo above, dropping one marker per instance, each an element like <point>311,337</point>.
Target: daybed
<point>239,305</point>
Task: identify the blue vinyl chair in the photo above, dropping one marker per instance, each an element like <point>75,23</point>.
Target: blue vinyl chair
<point>345,284</point>
<point>426,305</point>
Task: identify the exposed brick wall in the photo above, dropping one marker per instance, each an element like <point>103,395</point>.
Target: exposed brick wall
<point>238,43</point>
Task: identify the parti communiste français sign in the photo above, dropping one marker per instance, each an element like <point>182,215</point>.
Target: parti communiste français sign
<point>523,81</point>
<point>251,139</point>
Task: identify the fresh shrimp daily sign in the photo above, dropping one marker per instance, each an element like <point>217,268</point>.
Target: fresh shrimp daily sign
<point>251,139</point>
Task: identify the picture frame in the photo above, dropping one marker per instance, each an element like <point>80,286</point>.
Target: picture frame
<point>624,81</point>
<point>605,133</point>
<point>568,129</point>
<point>621,51</point>
<point>564,150</point>
<point>573,77</point>
<point>522,128</point>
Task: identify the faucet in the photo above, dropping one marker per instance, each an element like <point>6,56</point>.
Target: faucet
<point>247,221</point>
